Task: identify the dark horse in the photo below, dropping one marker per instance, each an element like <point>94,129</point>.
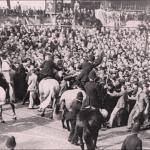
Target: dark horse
<point>88,124</point>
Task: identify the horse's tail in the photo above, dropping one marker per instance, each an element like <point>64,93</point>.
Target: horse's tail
<point>87,126</point>
<point>47,100</point>
<point>88,136</point>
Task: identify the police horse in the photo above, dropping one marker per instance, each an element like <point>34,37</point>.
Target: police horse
<point>4,89</point>
<point>65,102</point>
<point>48,92</point>
<point>88,124</point>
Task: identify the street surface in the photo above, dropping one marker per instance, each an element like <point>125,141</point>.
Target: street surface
<point>34,132</point>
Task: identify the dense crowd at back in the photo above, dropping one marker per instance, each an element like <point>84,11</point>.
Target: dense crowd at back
<point>125,50</point>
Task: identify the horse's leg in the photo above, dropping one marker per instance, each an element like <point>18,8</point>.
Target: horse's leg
<point>12,99</point>
<point>53,104</point>
<point>63,123</point>
<point>63,120</point>
<point>43,113</point>
<point>95,139</point>
<point>88,139</point>
<point>13,109</point>
<point>1,117</point>
<point>68,127</point>
<point>80,134</point>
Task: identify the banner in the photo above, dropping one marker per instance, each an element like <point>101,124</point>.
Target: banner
<point>108,18</point>
<point>49,6</point>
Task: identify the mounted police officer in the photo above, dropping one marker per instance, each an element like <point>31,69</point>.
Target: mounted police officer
<point>72,114</point>
<point>92,92</point>
<point>48,67</point>
<point>87,67</point>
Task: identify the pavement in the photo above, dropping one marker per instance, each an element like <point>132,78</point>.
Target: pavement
<point>35,132</point>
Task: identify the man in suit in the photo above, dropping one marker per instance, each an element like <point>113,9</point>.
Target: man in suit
<point>48,67</point>
<point>71,115</point>
<point>133,142</point>
<point>92,92</point>
<point>87,67</point>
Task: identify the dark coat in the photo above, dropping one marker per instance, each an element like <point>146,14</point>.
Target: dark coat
<point>75,108</point>
<point>86,68</point>
<point>132,142</point>
<point>20,83</point>
<point>48,68</point>
<point>92,95</point>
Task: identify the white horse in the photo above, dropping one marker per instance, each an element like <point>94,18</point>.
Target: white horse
<point>66,100</point>
<point>69,95</point>
<point>48,90</point>
<point>2,102</point>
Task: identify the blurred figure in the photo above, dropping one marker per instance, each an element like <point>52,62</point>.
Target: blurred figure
<point>32,87</point>
<point>133,142</point>
<point>11,143</point>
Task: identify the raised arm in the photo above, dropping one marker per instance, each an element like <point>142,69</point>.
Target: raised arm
<point>98,60</point>
<point>115,94</point>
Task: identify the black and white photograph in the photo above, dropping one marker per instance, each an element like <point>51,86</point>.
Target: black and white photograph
<point>75,74</point>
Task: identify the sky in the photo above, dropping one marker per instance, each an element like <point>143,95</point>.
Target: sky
<point>24,3</point>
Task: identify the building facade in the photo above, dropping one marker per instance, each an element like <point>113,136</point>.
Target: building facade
<point>131,5</point>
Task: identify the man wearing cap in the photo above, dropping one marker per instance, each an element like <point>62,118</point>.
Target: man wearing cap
<point>72,114</point>
<point>92,92</point>
<point>48,67</point>
<point>133,142</point>
<point>87,67</point>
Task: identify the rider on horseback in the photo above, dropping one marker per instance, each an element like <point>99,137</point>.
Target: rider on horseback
<point>48,67</point>
<point>87,67</point>
<point>92,92</point>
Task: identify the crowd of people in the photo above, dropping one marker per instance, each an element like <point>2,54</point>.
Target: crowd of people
<point>18,11</point>
<point>124,64</point>
<point>126,56</point>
